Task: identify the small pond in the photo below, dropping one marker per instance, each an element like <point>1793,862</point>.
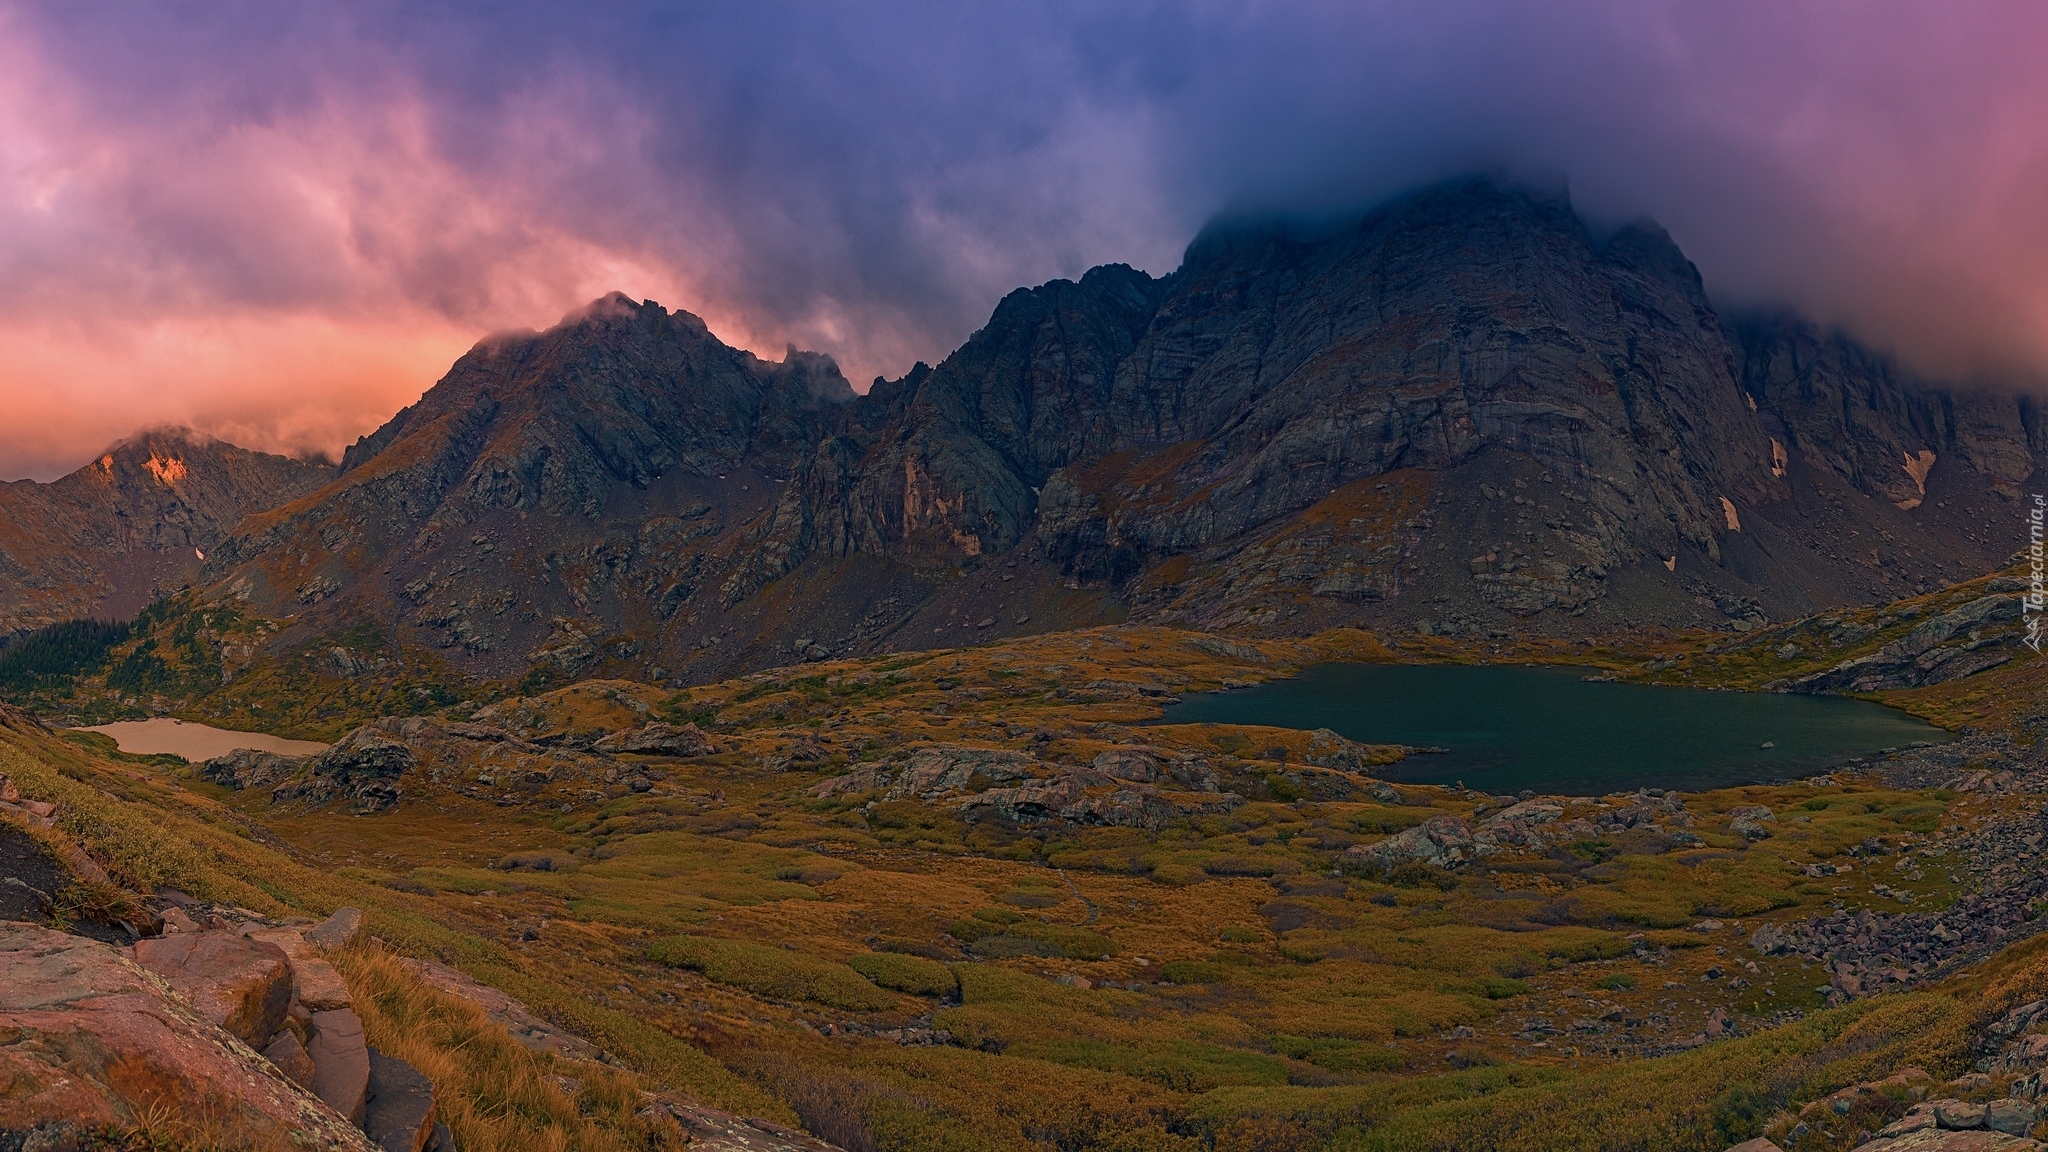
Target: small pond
<point>1505,728</point>
<point>196,742</point>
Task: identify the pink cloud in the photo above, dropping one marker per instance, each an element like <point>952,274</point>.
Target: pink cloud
<point>280,223</point>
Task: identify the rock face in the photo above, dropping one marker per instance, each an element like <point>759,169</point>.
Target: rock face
<point>243,985</point>
<point>364,768</point>
<point>130,526</point>
<point>1460,413</point>
<point>1979,635</point>
<point>656,739</point>
<point>89,1037</point>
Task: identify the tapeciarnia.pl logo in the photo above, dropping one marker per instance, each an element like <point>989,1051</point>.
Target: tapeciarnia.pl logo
<point>2035,598</point>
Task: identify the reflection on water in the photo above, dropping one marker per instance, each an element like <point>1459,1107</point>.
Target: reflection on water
<point>196,742</point>
<point>1506,728</point>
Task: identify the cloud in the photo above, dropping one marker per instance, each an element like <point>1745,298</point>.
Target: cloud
<point>281,222</point>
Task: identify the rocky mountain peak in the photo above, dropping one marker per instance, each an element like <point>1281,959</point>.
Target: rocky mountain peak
<point>1460,408</point>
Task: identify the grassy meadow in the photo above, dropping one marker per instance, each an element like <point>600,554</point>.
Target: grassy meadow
<point>895,976</point>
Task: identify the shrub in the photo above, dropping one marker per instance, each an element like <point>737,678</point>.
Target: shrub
<point>1073,943</point>
<point>1416,874</point>
<point>1615,982</point>
<point>774,973</point>
<point>1339,1055</point>
<point>1502,988</point>
<point>1193,972</point>
<point>912,974</point>
<point>967,929</point>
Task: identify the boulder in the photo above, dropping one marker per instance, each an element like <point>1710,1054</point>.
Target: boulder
<point>366,767</point>
<point>1134,764</point>
<point>656,739</point>
<point>1958,1115</point>
<point>243,985</point>
<point>1538,811</point>
<point>338,931</point>
<point>2011,1117</point>
<point>1757,1145</point>
<point>1747,821</point>
<point>1770,939</point>
<point>1445,841</point>
<point>341,1062</point>
<point>289,1054</point>
<point>88,1036</point>
<point>1941,1140</point>
<point>249,768</point>
<point>399,1114</point>
<point>314,981</point>
<point>710,1130</point>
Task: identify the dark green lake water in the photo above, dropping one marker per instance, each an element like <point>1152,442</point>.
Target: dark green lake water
<point>1507,728</point>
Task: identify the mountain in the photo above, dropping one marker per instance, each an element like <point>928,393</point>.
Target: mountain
<point>554,489</point>
<point>1462,413</point>
<point>131,526</point>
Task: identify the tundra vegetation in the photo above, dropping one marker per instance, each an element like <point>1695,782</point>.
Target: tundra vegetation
<point>780,926</point>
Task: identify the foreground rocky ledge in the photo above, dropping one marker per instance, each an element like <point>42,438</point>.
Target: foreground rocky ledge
<point>90,1039</point>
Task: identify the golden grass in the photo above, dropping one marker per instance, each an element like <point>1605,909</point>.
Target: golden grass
<point>492,1091</point>
<point>1285,999</point>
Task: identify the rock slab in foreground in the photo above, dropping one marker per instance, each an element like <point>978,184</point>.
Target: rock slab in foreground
<point>243,985</point>
<point>90,1037</point>
<point>399,1115</point>
<point>314,981</point>
<point>341,1062</point>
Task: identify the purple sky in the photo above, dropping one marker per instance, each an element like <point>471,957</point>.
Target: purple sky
<point>279,223</point>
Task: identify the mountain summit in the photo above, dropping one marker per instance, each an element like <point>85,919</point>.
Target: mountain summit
<point>131,526</point>
<point>1461,413</point>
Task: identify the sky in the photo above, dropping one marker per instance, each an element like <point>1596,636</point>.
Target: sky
<point>281,223</point>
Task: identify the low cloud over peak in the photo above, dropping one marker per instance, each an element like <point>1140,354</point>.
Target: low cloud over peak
<point>280,224</point>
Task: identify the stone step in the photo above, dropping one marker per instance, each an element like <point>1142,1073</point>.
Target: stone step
<point>399,1116</point>
<point>316,983</point>
<point>341,1062</point>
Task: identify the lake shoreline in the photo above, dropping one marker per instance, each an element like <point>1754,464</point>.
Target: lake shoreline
<point>193,741</point>
<point>1509,727</point>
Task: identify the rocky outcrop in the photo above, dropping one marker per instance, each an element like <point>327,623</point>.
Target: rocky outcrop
<point>372,768</point>
<point>243,985</point>
<point>89,1037</point>
<point>984,783</point>
<point>365,768</point>
<point>1989,631</point>
<point>249,768</point>
<point>1440,841</point>
<point>656,739</point>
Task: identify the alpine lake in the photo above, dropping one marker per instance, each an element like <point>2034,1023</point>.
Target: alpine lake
<point>1507,728</point>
